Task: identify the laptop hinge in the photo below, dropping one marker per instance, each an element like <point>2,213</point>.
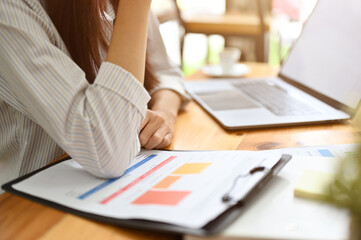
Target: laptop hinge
<point>332,102</point>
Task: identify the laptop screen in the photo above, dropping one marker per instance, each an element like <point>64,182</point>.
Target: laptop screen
<point>327,56</point>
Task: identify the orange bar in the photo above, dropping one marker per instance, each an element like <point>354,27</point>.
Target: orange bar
<point>167,182</point>
<point>192,168</point>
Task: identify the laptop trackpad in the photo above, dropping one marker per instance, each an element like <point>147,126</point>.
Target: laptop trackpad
<point>226,100</point>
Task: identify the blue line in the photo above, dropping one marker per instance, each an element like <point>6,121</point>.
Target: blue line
<point>110,181</point>
<point>325,153</point>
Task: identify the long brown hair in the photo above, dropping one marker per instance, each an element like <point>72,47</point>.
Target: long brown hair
<point>83,27</point>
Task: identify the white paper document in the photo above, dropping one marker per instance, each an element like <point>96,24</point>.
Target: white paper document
<point>176,187</point>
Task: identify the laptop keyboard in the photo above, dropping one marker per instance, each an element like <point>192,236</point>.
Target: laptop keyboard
<point>226,100</point>
<point>275,99</point>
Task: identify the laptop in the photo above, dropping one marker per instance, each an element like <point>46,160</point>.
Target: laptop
<point>319,82</point>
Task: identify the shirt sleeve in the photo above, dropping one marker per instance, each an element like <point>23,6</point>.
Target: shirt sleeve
<point>96,124</point>
<point>167,72</point>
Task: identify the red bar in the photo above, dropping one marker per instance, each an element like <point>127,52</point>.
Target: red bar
<point>117,193</point>
<point>162,198</point>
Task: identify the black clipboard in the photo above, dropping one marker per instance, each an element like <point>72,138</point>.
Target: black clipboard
<point>213,227</point>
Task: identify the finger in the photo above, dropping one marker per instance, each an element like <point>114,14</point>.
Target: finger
<point>156,138</point>
<point>146,134</point>
<point>149,130</point>
<point>166,141</point>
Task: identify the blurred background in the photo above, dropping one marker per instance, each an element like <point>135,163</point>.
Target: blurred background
<point>195,31</point>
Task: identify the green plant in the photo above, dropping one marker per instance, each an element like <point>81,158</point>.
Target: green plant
<point>346,188</point>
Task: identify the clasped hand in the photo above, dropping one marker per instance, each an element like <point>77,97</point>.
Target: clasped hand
<point>157,129</point>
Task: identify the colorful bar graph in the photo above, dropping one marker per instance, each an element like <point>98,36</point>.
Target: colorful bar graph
<point>167,182</point>
<point>170,198</point>
<point>192,168</point>
<point>136,181</point>
<point>110,181</point>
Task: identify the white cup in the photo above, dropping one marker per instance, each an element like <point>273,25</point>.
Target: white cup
<point>228,58</point>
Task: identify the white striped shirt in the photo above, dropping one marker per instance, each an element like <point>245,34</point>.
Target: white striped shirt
<point>47,107</point>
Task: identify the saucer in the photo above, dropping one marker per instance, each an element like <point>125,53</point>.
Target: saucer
<point>238,70</point>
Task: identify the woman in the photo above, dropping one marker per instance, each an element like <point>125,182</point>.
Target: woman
<point>71,80</point>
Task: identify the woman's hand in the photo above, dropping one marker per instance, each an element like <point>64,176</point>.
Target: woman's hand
<point>157,129</point>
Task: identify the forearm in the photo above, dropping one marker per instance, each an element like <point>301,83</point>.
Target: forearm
<point>166,100</point>
<point>129,40</point>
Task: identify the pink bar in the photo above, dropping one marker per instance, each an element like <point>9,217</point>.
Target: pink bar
<point>117,193</point>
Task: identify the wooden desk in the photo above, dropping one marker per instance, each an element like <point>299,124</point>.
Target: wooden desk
<point>23,219</point>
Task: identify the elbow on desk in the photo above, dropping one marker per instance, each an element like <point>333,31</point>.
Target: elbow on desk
<point>109,165</point>
<point>105,146</point>
<point>116,167</point>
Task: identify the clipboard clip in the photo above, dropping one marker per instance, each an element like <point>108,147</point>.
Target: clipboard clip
<point>227,196</point>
